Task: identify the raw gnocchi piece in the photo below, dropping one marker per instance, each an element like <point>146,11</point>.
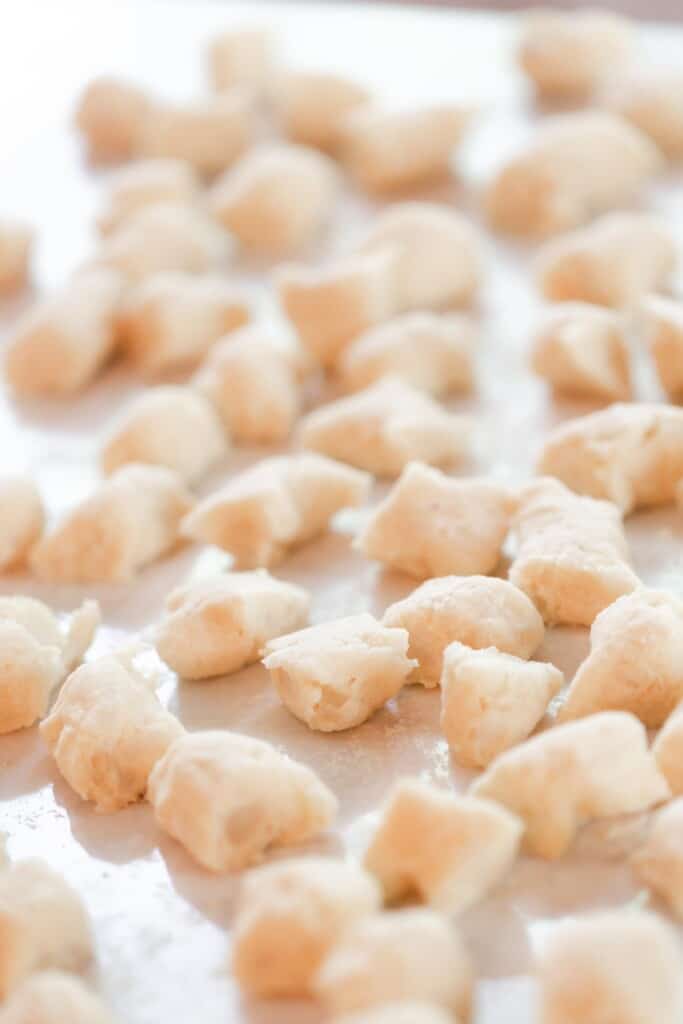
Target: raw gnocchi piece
<point>331,306</point>
<point>577,166</point>
<point>662,320</point>
<point>581,351</point>
<point>171,319</point>
<point>241,57</point>
<point>651,100</point>
<point>618,965</point>
<point>277,199</point>
<point>434,525</point>
<point>658,863</point>
<point>130,520</point>
<point>402,955</point>
<point>335,675</point>
<point>169,426</point>
<point>635,660</point>
<point>145,183</point>
<point>612,262</point>
<point>491,701</point>
<point>430,352</point>
<point>54,997</point>
<point>228,798</point>
<point>209,134</point>
<point>110,116</point>
<point>252,381</point>
<point>567,55</point>
<point>43,923</point>
<point>37,654</point>
<point>16,241</point>
<point>276,505</point>
<point>386,149</point>
<point>438,253</point>
<point>448,850</point>
<point>407,1012</point>
<point>571,774</point>
<point>59,346</point>
<point>572,556</point>
<point>384,427</point>
<point>311,106</point>
<point>222,623</point>
<point>22,518</point>
<point>290,915</point>
<point>668,750</point>
<point>479,611</point>
<point>631,454</point>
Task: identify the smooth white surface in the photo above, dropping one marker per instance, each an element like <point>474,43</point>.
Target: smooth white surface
<point>160,921</point>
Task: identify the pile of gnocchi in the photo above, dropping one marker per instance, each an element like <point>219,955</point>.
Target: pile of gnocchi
<point>385,330</point>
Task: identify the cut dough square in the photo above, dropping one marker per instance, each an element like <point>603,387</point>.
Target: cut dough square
<point>209,134</point>
<point>16,243</point>
<point>145,183</point>
<point>22,518</point>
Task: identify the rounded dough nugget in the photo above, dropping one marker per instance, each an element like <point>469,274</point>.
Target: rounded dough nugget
<point>220,624</point>
<point>16,243</point>
<point>479,611</point>
<point>311,106</point>
<point>438,253</point>
<point>43,923</point>
<point>145,183</point>
<point>334,675</point>
<point>242,57</point>
<point>651,100</point>
<point>130,520</point>
<point>54,997</point>
<point>22,518</point>
<point>434,525</point>
<point>169,426</point>
<point>110,116</point>
<point>209,134</point>
<point>384,427</point>
<point>406,954</point>
<point>658,863</point>
<point>449,850</point>
<point>277,199</point>
<point>662,322</point>
<point>571,774</point>
<point>106,732</point>
<point>290,915</point>
<point>491,701</point>
<point>228,798</point>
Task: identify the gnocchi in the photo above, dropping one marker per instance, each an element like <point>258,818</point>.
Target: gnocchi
<point>54,997</point>
<point>16,243</point>
<point>658,863</point>
<point>662,322</point>
<point>145,183</point>
<point>209,134</point>
<point>312,106</point>
<point>22,517</point>
<point>651,100</point>
<point>242,57</point>
<point>668,751</point>
<point>111,115</point>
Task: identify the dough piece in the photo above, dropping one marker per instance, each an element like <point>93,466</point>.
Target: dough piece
<point>384,427</point>
<point>278,504</point>
<point>228,798</point>
<point>53,997</point>
<point>171,320</point>
<point>581,351</point>
<point>430,352</point>
<point>448,850</point>
<point>617,965</point>
<point>479,611</point>
<point>169,426</point>
<point>571,774</point>
<point>16,242</point>
<point>165,236</point>
<point>572,555</point>
<point>42,924</point>
<point>630,454</point>
<point>651,100</point>
<point>289,917</point>
<point>331,306</point>
<point>110,116</point>
<point>241,57</point>
<point>145,183</point>
<point>406,954</point>
<point>492,701</point>
<point>434,525</point>
<point>438,254</point>
<point>386,150</point>
<point>37,654</point>
<point>22,518</point>
<point>59,346</point>
<point>277,199</point>
<point>407,1012</point>
<point>658,863</point>
<point>567,55</point>
<point>335,675</point>
<point>252,380</point>
<point>668,750</point>
<point>209,134</point>
<point>577,166</point>
<point>311,106</point>
<point>222,623</point>
<point>662,320</point>
<point>635,661</point>
<point>130,520</point>
<point>106,732</point>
